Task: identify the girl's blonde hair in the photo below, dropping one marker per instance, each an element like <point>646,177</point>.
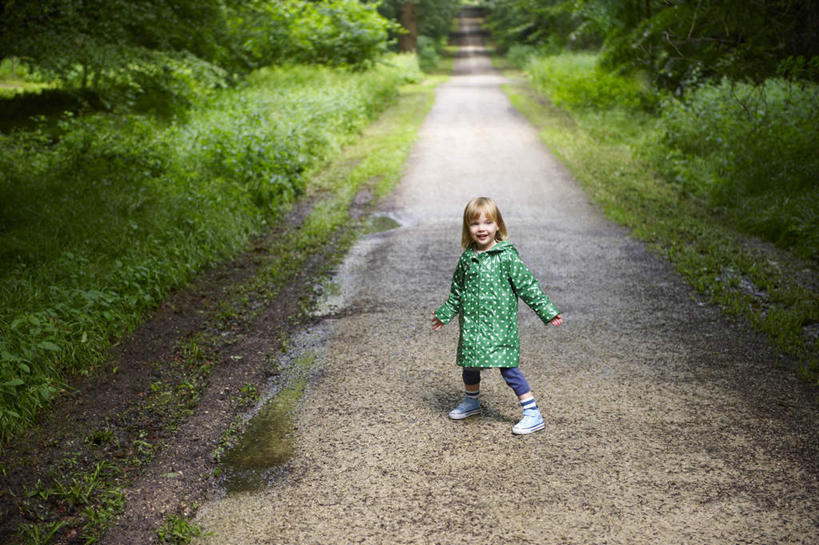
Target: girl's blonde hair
<point>473,211</point>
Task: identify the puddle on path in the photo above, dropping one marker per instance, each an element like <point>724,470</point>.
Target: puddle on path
<point>268,441</point>
<point>265,446</point>
<point>378,223</point>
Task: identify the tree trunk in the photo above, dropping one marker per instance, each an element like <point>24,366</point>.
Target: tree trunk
<point>408,41</point>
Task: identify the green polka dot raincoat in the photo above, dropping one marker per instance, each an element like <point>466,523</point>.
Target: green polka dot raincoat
<point>484,293</point>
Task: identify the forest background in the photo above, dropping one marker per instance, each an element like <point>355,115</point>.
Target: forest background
<point>696,124</point>
<point>144,141</point>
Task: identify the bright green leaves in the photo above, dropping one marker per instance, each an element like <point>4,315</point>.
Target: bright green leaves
<point>102,222</point>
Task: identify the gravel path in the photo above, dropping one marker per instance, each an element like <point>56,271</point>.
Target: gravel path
<point>665,422</point>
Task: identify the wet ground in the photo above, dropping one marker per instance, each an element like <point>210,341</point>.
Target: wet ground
<point>666,423</point>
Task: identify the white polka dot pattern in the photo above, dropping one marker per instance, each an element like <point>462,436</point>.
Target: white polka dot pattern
<point>484,294</point>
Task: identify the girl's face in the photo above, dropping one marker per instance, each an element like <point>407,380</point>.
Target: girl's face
<point>482,230</point>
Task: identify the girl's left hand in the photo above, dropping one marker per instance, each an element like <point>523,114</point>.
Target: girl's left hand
<point>436,323</point>
<point>556,321</point>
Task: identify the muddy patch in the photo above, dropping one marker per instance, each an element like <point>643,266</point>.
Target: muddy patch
<point>268,440</point>
<point>155,413</point>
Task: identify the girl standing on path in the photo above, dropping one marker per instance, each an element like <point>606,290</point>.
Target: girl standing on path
<point>489,278</point>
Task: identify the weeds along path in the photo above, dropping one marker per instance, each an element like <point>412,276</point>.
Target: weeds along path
<point>665,422</point>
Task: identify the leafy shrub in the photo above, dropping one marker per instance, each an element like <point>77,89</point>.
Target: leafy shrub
<point>546,24</point>
<point>158,57</point>
<point>340,33</point>
<point>750,151</point>
<point>332,32</point>
<point>102,215</point>
<point>520,54</point>
<point>429,53</point>
<point>575,81</point>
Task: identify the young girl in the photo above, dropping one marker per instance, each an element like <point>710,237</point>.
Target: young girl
<point>488,280</point>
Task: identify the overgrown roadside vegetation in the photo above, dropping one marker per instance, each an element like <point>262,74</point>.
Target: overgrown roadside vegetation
<point>142,146</point>
<point>631,152</point>
<point>336,199</point>
<point>695,124</point>
<point>106,214</point>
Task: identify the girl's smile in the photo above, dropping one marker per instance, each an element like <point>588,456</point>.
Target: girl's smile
<point>483,230</point>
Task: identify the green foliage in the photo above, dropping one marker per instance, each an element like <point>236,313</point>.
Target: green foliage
<point>676,43</point>
<point>332,32</point>
<point>748,151</point>
<point>575,81</point>
<point>159,56</point>
<point>520,55</point>
<point>681,43</point>
<point>102,215</point>
<point>434,17</point>
<point>751,152</point>
<point>177,531</point>
<point>340,32</point>
<point>548,24</point>
<point>429,52</point>
<point>105,44</point>
<point>773,290</point>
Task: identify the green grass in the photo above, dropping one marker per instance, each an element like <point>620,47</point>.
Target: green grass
<point>574,81</point>
<point>15,79</point>
<point>374,162</point>
<point>88,499</point>
<point>83,495</point>
<point>770,287</point>
<point>102,215</point>
<point>178,531</point>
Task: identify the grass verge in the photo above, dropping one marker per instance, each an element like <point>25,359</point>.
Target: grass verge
<point>80,495</point>
<point>103,218</point>
<point>774,290</point>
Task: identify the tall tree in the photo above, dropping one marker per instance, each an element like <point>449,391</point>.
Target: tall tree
<point>430,18</point>
<point>100,36</point>
<point>676,42</point>
<point>408,40</point>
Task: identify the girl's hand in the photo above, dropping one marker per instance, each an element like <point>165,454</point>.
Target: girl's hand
<point>556,321</point>
<point>436,323</point>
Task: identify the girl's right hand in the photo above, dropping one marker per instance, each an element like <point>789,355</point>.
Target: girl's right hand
<point>436,323</point>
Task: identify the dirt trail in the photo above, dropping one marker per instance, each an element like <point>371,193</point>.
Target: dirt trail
<point>665,422</point>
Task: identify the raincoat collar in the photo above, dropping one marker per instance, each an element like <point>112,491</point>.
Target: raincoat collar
<point>500,246</point>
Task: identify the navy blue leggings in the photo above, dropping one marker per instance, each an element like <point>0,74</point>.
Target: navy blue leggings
<point>512,375</point>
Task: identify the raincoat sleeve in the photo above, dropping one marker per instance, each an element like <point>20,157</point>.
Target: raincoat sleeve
<point>525,286</point>
<point>452,306</point>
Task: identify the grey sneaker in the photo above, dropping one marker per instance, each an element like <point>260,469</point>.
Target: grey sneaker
<point>467,407</point>
<point>530,423</point>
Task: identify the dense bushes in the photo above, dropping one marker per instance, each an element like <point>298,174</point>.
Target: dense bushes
<point>137,55</point>
<point>676,44</point>
<point>747,151</point>
<point>575,81</point>
<point>751,151</point>
<point>103,215</point>
<point>332,32</point>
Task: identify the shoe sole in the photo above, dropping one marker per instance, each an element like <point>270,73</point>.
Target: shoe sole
<point>533,429</point>
<point>461,416</point>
